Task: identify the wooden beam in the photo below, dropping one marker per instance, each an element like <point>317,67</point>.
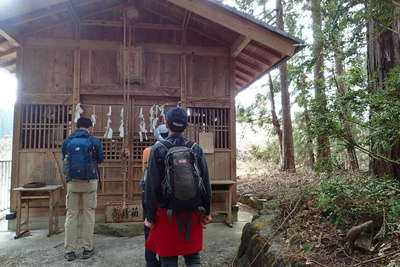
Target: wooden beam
<point>8,36</point>
<point>269,50</point>
<point>185,24</point>
<point>103,23</point>
<point>8,63</point>
<point>119,24</point>
<point>167,27</point>
<point>43,13</point>
<point>8,52</point>
<point>74,13</point>
<point>215,39</point>
<point>70,43</point>
<point>178,49</point>
<point>94,13</point>
<point>247,72</point>
<point>186,19</point>
<point>239,83</point>
<point>248,64</point>
<point>240,77</point>
<point>240,44</point>
<point>111,45</point>
<point>238,24</point>
<point>257,57</point>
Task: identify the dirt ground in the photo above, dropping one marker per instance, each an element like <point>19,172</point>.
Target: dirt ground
<point>221,244</point>
<point>308,236</point>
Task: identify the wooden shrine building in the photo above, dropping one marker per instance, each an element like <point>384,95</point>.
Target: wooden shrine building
<point>123,63</point>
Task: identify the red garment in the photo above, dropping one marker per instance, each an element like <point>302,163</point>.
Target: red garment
<point>166,240</point>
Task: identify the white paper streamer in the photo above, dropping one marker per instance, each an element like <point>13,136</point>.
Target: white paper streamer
<point>121,126</point>
<point>151,117</point>
<point>162,113</point>
<point>154,122</point>
<point>109,131</point>
<point>78,112</point>
<point>93,117</point>
<point>142,126</point>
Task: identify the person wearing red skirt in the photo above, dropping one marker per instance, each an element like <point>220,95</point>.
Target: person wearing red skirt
<point>175,234</point>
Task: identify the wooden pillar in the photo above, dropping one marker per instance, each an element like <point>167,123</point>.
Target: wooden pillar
<point>16,131</point>
<point>184,80</point>
<point>77,74</point>
<point>233,128</point>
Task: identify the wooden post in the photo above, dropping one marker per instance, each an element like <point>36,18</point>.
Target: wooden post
<point>51,212</point>
<point>56,204</point>
<point>233,129</point>
<point>77,73</point>
<point>19,213</point>
<point>184,83</point>
<point>16,131</point>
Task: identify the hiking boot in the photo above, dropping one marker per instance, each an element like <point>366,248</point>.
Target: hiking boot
<point>70,256</point>
<point>86,254</point>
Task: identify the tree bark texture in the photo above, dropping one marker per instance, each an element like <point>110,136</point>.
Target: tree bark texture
<point>288,163</point>
<point>344,111</point>
<point>383,55</point>
<point>310,145</point>
<point>275,121</point>
<point>323,145</point>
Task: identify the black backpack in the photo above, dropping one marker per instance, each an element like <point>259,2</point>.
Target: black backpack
<point>182,186</point>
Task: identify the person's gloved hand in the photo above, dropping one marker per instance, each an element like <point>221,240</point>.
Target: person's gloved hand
<point>148,224</point>
<point>206,220</point>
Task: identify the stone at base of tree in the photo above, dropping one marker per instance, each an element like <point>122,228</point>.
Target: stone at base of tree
<point>252,201</point>
<point>257,239</point>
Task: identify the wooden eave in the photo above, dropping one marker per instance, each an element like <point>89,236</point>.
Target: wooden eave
<point>255,47</point>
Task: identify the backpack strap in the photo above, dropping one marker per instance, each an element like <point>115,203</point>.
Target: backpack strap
<point>167,144</point>
<point>190,144</point>
<point>185,228</point>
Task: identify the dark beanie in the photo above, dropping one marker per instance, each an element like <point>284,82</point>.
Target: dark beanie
<point>177,119</point>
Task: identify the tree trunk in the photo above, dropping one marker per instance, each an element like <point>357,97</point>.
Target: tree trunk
<point>383,55</point>
<point>344,112</point>
<point>275,121</point>
<point>310,145</point>
<point>323,146</point>
<point>288,163</point>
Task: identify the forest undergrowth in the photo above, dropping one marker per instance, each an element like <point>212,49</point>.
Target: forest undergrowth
<point>344,219</point>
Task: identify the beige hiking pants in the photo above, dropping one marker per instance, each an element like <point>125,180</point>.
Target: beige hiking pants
<point>81,196</point>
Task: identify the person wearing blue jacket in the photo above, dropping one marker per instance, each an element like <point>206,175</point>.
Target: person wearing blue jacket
<point>81,153</point>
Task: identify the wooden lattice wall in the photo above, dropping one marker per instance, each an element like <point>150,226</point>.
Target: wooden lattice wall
<point>44,126</point>
<point>57,75</point>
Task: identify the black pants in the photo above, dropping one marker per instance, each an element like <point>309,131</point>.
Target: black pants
<point>150,256</point>
<point>191,260</point>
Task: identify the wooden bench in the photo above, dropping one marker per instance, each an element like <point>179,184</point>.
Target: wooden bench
<point>225,186</point>
<point>26,195</point>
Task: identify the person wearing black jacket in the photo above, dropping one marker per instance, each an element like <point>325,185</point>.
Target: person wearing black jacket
<point>165,239</point>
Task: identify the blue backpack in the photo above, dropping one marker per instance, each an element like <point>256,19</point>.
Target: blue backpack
<point>78,161</point>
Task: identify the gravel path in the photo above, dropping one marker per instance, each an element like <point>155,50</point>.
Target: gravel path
<point>221,243</point>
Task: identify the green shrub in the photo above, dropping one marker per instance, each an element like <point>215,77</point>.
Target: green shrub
<point>357,200</point>
<point>269,152</point>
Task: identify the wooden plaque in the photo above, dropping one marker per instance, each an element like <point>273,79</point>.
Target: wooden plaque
<point>206,141</point>
<point>116,213</point>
